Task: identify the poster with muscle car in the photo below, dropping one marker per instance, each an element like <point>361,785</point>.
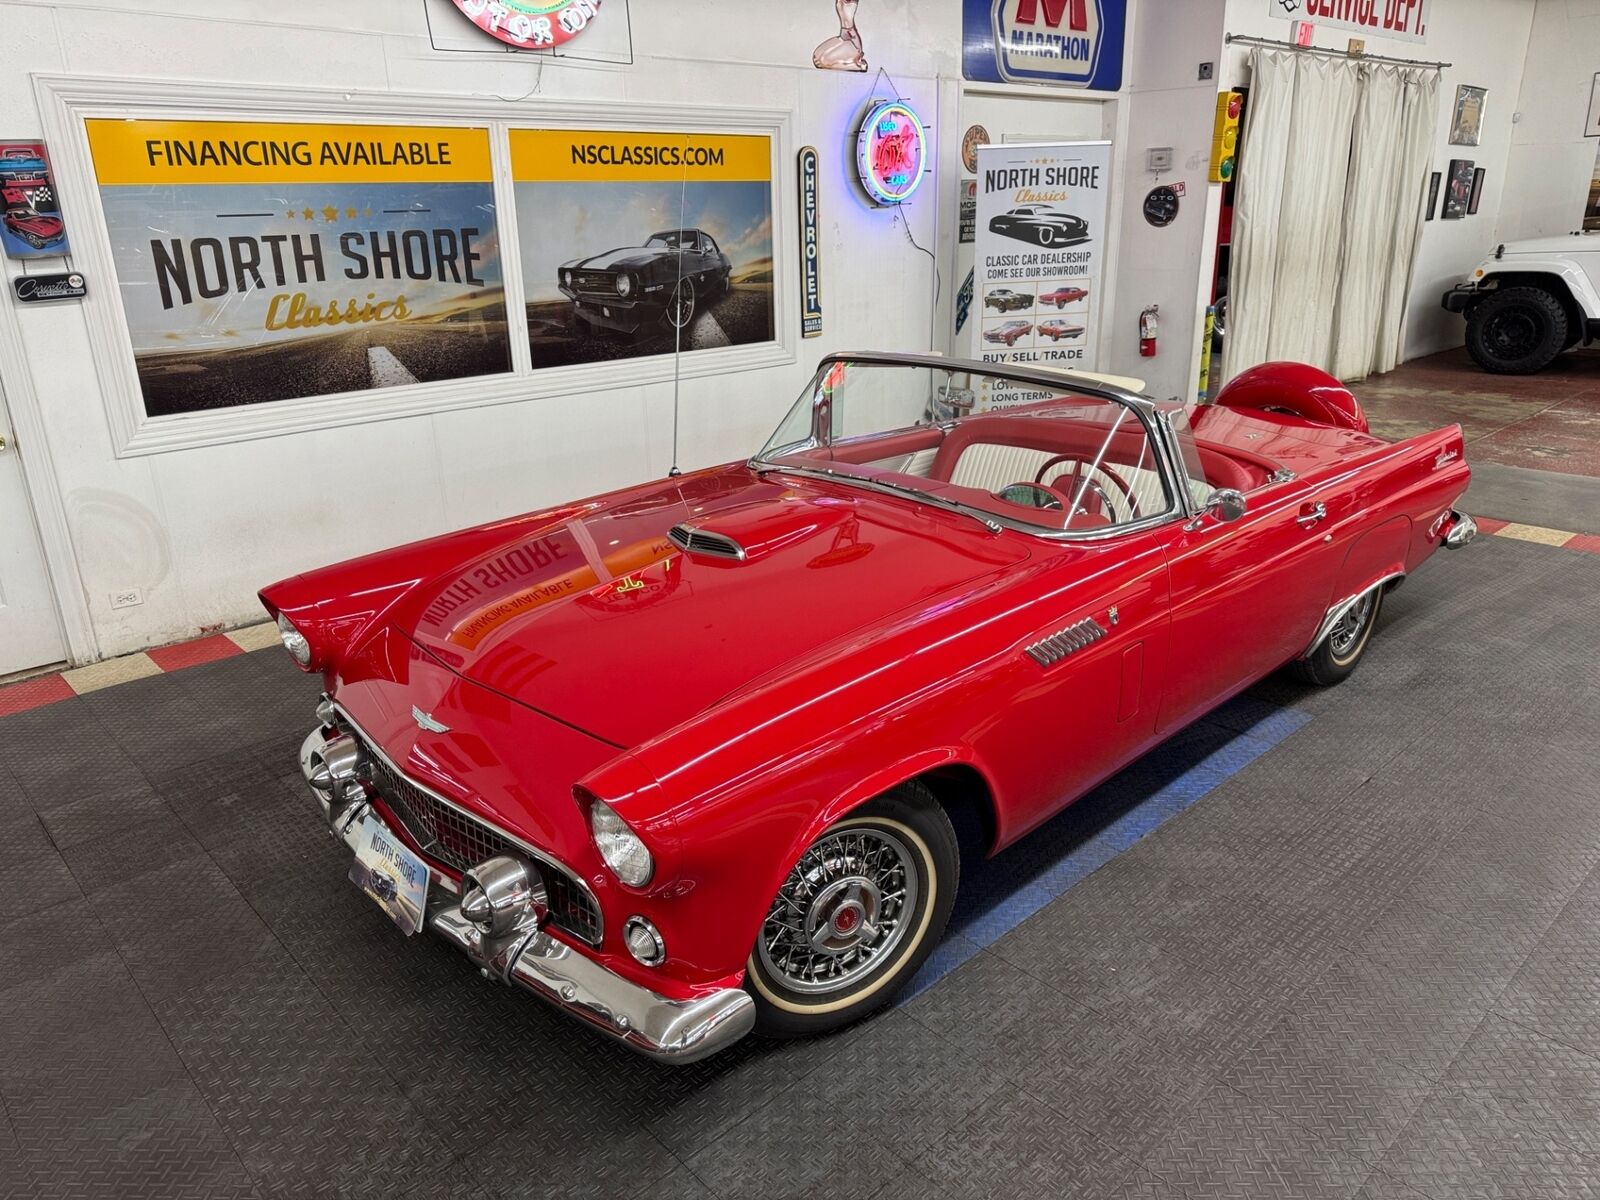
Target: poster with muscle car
<point>1040,240</point>
<point>260,262</point>
<point>635,244</point>
<point>32,226</point>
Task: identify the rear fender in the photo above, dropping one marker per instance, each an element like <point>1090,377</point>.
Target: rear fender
<point>1295,388</point>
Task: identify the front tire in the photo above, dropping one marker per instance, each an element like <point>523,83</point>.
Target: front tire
<point>1336,657</point>
<point>856,917</point>
<point>1516,331</point>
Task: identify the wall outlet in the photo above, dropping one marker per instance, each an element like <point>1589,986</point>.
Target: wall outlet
<point>1207,70</point>
<point>127,598</point>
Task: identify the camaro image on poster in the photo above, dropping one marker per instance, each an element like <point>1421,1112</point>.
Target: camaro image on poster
<point>261,262</point>
<point>1040,242</point>
<point>643,243</point>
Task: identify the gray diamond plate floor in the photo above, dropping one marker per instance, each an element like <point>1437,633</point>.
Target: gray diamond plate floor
<point>1366,965</point>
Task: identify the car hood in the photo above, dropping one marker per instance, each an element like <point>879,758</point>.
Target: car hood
<point>1565,243</point>
<point>624,256</point>
<point>602,623</point>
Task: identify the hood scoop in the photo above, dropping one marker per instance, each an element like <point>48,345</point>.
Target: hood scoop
<point>692,540</point>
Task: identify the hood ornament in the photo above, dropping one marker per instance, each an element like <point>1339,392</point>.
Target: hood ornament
<point>426,721</point>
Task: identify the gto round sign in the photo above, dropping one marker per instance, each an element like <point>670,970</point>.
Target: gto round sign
<point>891,151</point>
<point>531,24</point>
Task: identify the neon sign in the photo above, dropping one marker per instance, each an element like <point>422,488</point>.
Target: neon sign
<point>531,24</point>
<point>891,151</point>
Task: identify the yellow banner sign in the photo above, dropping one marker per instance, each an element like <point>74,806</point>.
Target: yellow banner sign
<point>609,156</point>
<point>210,152</point>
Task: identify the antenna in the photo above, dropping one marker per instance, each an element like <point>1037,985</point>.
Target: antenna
<point>676,308</point>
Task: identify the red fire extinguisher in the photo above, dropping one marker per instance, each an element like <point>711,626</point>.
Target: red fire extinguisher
<point>1149,330</point>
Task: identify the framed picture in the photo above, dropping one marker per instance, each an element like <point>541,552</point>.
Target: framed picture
<point>1433,196</point>
<point>1458,189</point>
<point>1591,127</point>
<point>1466,122</point>
<point>1477,190</point>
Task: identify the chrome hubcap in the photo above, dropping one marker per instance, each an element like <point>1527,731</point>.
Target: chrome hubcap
<point>844,908</point>
<point>1348,629</point>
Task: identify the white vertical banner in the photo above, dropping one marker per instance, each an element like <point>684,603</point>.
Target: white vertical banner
<point>1041,235</point>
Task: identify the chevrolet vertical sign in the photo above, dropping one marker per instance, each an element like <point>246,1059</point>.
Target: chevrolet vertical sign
<point>1069,43</point>
<point>810,248</point>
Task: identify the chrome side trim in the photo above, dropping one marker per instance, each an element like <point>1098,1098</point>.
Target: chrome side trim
<point>1344,606</point>
<point>1051,650</point>
<point>693,540</point>
<point>542,856</point>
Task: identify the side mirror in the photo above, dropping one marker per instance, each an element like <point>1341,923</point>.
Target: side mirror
<point>1225,504</point>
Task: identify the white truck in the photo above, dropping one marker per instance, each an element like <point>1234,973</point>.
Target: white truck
<point>1529,301</point>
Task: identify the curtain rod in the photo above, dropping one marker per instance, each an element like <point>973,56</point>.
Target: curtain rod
<point>1247,40</point>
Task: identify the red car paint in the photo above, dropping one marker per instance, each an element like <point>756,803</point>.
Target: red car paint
<point>1062,297</point>
<point>1056,330</point>
<point>732,710</point>
<point>1007,333</point>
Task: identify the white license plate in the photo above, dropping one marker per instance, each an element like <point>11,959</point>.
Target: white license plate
<point>387,870</point>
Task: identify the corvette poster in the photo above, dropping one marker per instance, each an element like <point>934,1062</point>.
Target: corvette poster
<point>1041,226</point>
<point>260,262</point>
<point>32,227</point>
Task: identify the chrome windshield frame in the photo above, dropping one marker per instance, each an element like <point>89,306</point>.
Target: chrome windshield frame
<point>1157,425</point>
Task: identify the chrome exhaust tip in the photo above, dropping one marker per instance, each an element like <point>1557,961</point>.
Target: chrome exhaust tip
<point>1461,531</point>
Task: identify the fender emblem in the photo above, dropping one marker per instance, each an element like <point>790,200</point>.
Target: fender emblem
<point>627,584</point>
<point>426,721</point>
<point>1445,457</point>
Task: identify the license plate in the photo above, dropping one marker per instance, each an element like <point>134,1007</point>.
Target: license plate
<point>387,870</point>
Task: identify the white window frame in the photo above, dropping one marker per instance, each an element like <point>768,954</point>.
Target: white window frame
<point>67,101</point>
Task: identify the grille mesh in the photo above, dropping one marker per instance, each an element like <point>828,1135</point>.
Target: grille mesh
<point>456,840</point>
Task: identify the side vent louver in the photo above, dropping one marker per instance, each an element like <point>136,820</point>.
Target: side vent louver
<point>1051,650</point>
<point>700,541</point>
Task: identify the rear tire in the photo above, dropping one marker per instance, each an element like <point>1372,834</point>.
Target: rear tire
<point>1341,650</point>
<point>856,917</point>
<point>1516,331</point>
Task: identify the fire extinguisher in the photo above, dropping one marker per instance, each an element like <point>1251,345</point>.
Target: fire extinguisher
<point>1148,331</point>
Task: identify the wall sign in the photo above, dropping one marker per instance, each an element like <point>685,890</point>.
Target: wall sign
<point>891,151</point>
<point>60,285</point>
<point>1041,235</point>
<point>967,225</point>
<point>1457,189</point>
<point>1161,206</point>
<point>1071,43</point>
<point>261,262</point>
<point>975,136</point>
<point>531,24</point>
<point>1406,20</point>
<point>810,248</point>
<point>32,226</point>
<point>640,243</point>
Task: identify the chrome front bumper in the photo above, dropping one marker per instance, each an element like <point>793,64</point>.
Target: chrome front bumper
<point>673,1031</point>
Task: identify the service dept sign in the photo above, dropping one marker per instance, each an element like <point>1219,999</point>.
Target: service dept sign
<point>531,24</point>
<point>1070,43</point>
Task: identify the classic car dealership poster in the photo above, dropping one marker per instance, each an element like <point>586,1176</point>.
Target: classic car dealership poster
<point>639,243</point>
<point>1041,235</point>
<point>260,262</point>
<point>32,227</point>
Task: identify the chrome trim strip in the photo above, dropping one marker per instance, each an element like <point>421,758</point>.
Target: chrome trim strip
<point>1065,642</point>
<point>543,856</point>
<point>1344,606</point>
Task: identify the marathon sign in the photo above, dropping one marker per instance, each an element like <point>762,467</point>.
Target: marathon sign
<point>1070,43</point>
<point>1403,20</point>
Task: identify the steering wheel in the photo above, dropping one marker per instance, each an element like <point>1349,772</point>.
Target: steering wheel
<point>1096,499</point>
<point>1034,495</point>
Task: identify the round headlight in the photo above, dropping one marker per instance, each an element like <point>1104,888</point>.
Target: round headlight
<point>566,278</point>
<point>294,642</point>
<point>624,284</point>
<point>620,846</point>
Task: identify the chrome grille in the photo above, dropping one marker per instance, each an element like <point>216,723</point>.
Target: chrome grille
<point>1051,650</point>
<point>594,281</point>
<point>700,541</point>
<point>449,836</point>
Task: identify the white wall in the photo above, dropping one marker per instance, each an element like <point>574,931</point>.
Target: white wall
<point>1551,162</point>
<point>1485,40</point>
<point>199,530</point>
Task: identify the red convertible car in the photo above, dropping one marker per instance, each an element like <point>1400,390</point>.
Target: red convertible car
<point>681,759</point>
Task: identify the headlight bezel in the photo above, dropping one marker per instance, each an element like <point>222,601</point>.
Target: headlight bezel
<point>295,642</point>
<point>620,847</point>
<point>624,284</point>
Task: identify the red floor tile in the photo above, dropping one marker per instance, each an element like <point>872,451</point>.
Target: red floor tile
<point>33,693</point>
<point>1490,524</point>
<point>192,654</point>
<point>1583,541</point>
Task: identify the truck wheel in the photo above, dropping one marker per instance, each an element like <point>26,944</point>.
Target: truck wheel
<point>1516,331</point>
<point>857,916</point>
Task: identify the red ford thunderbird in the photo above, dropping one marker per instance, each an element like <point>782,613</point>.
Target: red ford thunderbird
<point>681,759</point>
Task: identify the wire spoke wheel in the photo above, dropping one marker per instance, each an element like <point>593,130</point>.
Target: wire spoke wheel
<point>842,911</point>
<point>1347,631</point>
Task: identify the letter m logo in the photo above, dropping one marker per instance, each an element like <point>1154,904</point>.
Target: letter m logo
<point>1076,13</point>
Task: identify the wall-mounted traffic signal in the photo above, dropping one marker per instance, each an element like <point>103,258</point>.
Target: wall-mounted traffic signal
<point>1225,136</point>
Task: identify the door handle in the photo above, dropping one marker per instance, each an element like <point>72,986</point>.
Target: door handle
<point>1312,515</point>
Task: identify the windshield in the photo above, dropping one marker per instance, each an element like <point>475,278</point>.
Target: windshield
<point>672,241</point>
<point>1048,458</point>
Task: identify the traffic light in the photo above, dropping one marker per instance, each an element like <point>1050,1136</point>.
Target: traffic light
<point>1225,136</point>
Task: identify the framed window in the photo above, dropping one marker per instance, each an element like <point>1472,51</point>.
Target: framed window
<point>267,269</point>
